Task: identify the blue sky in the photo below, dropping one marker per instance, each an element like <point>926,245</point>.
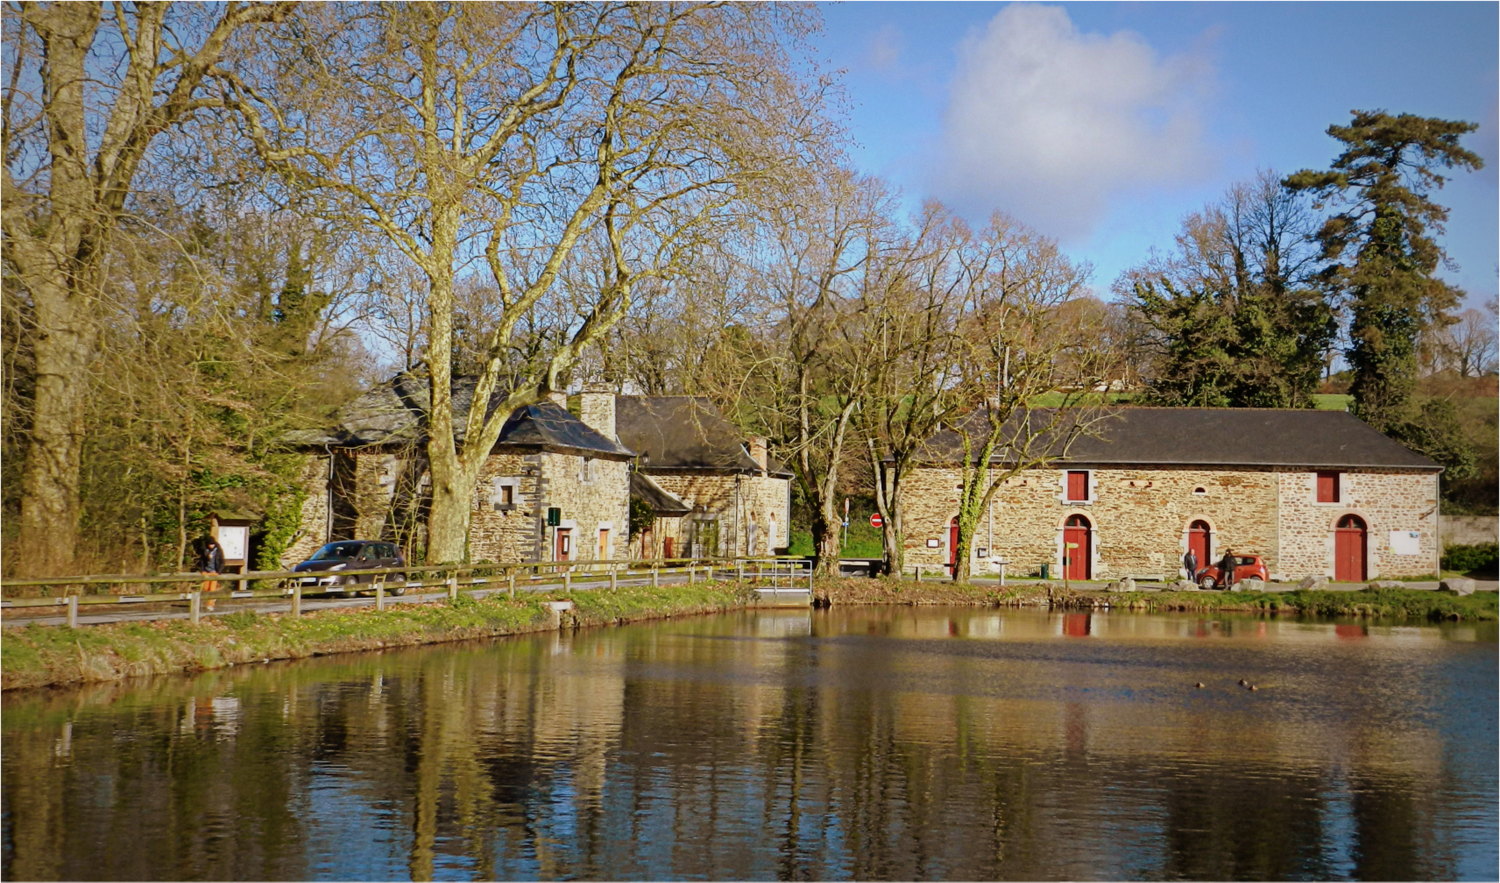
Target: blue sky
<point>1104,124</point>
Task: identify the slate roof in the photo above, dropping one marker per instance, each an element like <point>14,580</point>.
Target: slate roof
<point>390,414</point>
<point>1223,437</point>
<point>672,433</point>
<point>661,500</point>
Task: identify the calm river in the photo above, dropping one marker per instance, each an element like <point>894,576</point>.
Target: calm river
<point>869,743</point>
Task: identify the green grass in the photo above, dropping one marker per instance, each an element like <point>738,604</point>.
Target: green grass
<point>1324,401</point>
<point>45,655</point>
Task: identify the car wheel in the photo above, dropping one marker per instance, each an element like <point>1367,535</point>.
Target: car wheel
<point>1207,583</point>
<point>396,590</point>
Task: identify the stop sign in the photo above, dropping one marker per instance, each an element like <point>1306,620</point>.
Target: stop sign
<point>876,520</point>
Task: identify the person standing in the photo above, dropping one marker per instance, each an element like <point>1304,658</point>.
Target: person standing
<point>1190,564</point>
<point>210,562</point>
<point>1226,570</point>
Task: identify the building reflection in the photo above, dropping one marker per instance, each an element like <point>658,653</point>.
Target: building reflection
<point>867,743</point>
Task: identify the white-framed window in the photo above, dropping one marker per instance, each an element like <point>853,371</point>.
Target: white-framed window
<point>586,469</point>
<point>504,493</point>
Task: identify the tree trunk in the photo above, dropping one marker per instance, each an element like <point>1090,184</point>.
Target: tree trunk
<point>50,502</point>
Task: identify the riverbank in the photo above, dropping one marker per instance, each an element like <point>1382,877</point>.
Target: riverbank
<point>43,656</point>
<point>1385,603</point>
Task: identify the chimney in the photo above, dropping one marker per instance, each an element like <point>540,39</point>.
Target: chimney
<point>597,410</point>
<point>758,452</point>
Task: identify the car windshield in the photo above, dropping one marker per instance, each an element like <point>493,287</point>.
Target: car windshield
<point>336,552</point>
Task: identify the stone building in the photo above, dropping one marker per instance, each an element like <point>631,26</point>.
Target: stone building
<point>1316,493</point>
<point>711,491</point>
<point>367,479</point>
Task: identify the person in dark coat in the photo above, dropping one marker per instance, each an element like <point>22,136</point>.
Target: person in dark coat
<point>1226,570</point>
<point>210,562</point>
<point>1190,564</point>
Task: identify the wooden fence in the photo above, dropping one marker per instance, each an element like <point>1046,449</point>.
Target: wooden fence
<point>71,593</point>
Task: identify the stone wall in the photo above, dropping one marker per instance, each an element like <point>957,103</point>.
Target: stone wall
<point>1139,518</point>
<point>590,502</point>
<point>1388,502</point>
<point>503,526</point>
<point>1467,530</point>
<point>734,502</point>
<point>312,531</point>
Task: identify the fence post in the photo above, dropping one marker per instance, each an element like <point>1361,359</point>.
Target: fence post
<point>453,587</point>
<point>379,594</point>
<point>809,577</point>
<point>567,582</point>
<point>655,574</point>
<point>512,585</point>
<point>739,570</point>
<point>72,611</point>
<point>297,599</point>
<point>690,574</point>
<point>195,606</point>
<point>614,578</point>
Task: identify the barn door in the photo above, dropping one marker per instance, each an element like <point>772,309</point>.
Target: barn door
<point>1078,553</point>
<point>1200,542</point>
<point>1349,545</point>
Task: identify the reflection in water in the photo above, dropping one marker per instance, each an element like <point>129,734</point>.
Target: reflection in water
<point>852,743</point>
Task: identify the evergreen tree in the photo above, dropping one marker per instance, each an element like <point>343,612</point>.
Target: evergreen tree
<point>1381,250</point>
<point>1230,319</point>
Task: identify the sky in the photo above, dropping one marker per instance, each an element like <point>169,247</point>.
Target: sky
<point>1103,125</point>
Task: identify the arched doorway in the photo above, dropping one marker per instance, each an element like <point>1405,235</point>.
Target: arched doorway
<point>1349,547</point>
<point>953,546</point>
<point>1200,542</point>
<point>1078,552</point>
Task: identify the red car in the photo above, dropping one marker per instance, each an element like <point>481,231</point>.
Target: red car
<point>1245,567</point>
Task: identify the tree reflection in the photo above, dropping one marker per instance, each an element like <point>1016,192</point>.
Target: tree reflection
<point>879,744</point>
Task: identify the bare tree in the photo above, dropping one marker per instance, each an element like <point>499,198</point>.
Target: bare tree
<point>88,89</point>
<point>517,140</point>
<point>1014,330</point>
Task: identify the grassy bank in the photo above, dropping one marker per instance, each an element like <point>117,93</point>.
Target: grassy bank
<point>36,656</point>
<point>1397,604</point>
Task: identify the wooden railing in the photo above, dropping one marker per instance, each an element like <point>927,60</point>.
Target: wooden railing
<point>72,593</point>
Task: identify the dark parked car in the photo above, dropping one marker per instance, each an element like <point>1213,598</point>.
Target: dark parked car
<point>1245,567</point>
<point>324,567</point>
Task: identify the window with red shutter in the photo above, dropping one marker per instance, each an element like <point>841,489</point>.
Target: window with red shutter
<point>1328,487</point>
<point>1078,485</point>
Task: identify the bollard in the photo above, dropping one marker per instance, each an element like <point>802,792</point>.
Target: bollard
<point>72,611</point>
<point>297,599</point>
<point>195,606</point>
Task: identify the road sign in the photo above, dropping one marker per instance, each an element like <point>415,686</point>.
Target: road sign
<point>876,520</point>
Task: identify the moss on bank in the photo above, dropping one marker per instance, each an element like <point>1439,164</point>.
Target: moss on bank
<point>1401,604</point>
<point>37,655</point>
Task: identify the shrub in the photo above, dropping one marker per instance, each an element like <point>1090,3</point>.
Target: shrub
<point>1478,557</point>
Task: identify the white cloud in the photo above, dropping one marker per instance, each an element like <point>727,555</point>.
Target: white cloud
<point>1049,124</point>
<point>885,49</point>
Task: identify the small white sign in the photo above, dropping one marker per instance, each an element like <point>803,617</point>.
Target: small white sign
<point>1406,542</point>
<point>233,539</point>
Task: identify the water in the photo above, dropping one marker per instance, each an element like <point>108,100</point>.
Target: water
<point>869,743</point>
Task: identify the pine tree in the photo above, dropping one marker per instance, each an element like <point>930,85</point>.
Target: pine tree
<point>1381,250</point>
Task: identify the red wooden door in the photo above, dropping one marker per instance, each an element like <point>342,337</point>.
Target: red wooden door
<point>1076,549</point>
<point>564,544</point>
<point>1200,542</point>
<point>1349,549</point>
<point>952,546</point>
